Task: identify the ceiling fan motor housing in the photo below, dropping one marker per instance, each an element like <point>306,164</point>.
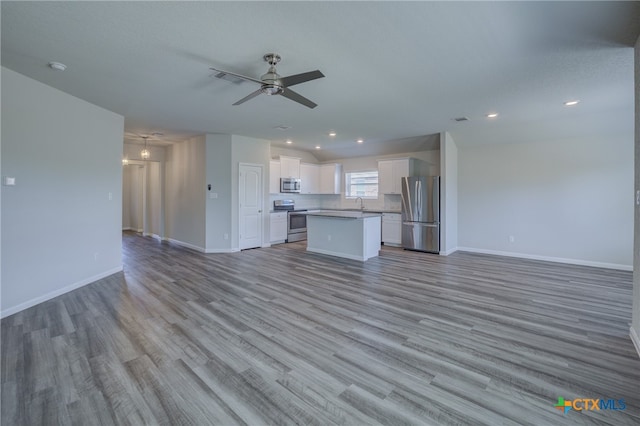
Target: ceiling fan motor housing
<point>272,84</point>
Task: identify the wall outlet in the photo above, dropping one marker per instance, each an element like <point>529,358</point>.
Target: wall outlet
<point>95,256</point>
<point>226,236</point>
<point>328,237</point>
<point>512,239</point>
<point>110,196</point>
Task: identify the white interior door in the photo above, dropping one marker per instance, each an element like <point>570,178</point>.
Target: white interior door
<point>250,183</point>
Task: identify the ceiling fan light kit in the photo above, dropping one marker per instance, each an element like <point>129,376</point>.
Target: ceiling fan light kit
<point>272,83</point>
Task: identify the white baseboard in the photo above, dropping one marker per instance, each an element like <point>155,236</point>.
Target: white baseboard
<point>635,338</point>
<point>550,259</point>
<point>266,245</point>
<point>332,253</point>
<point>29,303</point>
<point>229,250</point>
<point>128,228</point>
<point>448,252</point>
<point>201,249</point>
<point>156,236</point>
<point>187,245</point>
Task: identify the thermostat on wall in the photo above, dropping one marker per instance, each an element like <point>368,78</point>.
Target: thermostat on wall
<point>9,181</point>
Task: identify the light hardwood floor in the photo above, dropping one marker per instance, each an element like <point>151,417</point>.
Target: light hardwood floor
<point>281,336</point>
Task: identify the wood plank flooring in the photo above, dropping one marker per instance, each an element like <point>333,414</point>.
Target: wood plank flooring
<point>281,336</point>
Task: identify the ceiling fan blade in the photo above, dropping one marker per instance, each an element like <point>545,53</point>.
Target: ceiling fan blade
<point>300,78</point>
<point>222,74</point>
<point>249,96</point>
<point>290,94</point>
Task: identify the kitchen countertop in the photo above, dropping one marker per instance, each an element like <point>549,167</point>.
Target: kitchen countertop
<point>344,214</point>
<point>315,210</point>
<point>374,210</point>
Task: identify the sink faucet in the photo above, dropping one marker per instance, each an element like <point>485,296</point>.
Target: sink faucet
<point>361,202</point>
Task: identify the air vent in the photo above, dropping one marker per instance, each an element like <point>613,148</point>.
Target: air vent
<point>281,127</point>
<point>461,119</point>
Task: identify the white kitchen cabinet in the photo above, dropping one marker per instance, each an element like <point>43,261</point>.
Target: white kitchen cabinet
<point>392,229</point>
<point>278,228</point>
<point>274,177</point>
<point>309,178</point>
<point>330,178</point>
<point>391,172</point>
<point>289,167</point>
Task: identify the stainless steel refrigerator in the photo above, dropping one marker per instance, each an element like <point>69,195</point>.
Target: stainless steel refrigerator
<point>421,213</point>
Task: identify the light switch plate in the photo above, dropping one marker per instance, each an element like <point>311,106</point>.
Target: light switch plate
<point>9,181</point>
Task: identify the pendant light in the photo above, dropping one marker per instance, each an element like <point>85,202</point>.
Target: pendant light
<point>145,154</point>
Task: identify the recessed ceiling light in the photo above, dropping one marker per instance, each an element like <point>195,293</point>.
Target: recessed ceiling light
<point>332,133</point>
<point>289,141</point>
<point>492,115</point>
<point>282,127</point>
<point>317,146</point>
<point>360,140</point>
<point>57,66</point>
<point>461,119</point>
<point>571,103</point>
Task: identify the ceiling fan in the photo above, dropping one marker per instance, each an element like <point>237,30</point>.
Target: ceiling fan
<point>272,84</point>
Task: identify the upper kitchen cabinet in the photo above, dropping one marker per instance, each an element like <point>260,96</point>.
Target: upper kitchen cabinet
<point>309,178</point>
<point>390,173</point>
<point>289,167</point>
<point>274,177</point>
<point>330,177</point>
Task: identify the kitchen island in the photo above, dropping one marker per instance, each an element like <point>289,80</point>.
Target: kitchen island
<point>349,234</point>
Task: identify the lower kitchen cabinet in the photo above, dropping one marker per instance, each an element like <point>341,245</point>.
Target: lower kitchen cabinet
<point>392,229</point>
<point>278,227</point>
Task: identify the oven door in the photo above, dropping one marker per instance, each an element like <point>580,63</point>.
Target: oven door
<point>296,226</point>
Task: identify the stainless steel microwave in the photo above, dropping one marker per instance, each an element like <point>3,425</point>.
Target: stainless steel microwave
<point>289,185</point>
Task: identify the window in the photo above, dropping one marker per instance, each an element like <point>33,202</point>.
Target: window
<point>361,184</point>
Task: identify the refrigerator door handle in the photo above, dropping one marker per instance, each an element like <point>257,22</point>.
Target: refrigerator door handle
<point>418,198</point>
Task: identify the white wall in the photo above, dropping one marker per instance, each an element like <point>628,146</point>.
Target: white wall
<point>154,198</point>
<point>126,198</point>
<point>60,228</point>
<point>304,156</point>
<point>448,194</point>
<point>132,197</point>
<point>635,322</point>
<point>185,210</point>
<point>559,199</point>
<point>218,210</point>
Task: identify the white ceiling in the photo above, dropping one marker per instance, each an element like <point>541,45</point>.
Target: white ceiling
<point>395,71</point>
